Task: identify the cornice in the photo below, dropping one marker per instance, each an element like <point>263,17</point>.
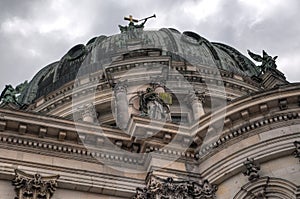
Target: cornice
<point>236,86</point>
<point>92,181</point>
<point>255,105</point>
<point>218,169</point>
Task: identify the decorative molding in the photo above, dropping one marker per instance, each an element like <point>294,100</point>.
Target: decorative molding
<point>258,194</point>
<point>35,186</point>
<point>168,188</point>
<point>50,146</point>
<point>283,104</point>
<point>236,132</point>
<point>297,151</point>
<point>87,112</point>
<point>63,95</point>
<point>64,150</point>
<point>251,169</point>
<point>268,187</point>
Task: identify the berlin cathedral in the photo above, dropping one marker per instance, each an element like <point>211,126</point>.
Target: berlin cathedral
<point>152,114</point>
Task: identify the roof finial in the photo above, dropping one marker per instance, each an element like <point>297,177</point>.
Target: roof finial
<point>131,19</point>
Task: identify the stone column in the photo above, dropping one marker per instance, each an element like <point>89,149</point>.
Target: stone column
<point>88,113</point>
<point>121,105</point>
<point>197,106</point>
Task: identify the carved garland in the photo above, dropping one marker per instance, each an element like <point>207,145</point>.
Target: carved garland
<point>251,169</point>
<point>168,188</point>
<point>297,151</point>
<point>35,186</point>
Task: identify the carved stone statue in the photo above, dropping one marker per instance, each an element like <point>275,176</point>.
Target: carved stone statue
<point>153,106</point>
<point>35,186</point>
<point>268,62</point>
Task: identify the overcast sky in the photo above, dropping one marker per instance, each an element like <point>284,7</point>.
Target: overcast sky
<point>34,33</point>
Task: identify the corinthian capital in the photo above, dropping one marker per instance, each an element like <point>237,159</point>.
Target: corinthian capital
<point>34,186</point>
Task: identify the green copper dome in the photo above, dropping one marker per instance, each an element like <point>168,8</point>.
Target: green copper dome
<point>100,51</point>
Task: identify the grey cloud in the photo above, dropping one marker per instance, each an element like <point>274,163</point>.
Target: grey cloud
<point>231,24</point>
<point>11,8</point>
<point>278,33</point>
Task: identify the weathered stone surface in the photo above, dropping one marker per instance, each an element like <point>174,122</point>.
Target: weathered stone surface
<point>251,169</point>
<point>224,110</point>
<point>297,150</point>
<point>34,186</point>
<point>169,188</point>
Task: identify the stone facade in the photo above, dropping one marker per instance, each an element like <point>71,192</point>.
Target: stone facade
<point>157,114</point>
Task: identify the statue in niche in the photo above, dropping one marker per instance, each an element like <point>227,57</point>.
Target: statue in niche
<point>268,62</point>
<point>152,105</point>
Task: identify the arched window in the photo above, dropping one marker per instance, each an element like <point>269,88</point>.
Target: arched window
<point>267,188</point>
